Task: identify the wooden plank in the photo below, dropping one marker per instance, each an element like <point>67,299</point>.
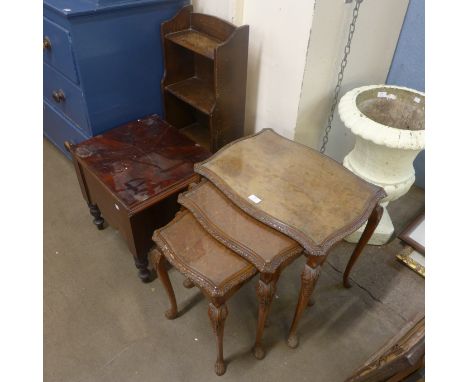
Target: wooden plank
<point>195,41</point>
<point>195,92</point>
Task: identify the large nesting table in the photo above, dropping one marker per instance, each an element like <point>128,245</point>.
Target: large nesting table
<point>299,192</point>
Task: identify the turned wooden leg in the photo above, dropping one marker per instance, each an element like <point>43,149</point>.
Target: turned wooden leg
<point>265,289</point>
<point>96,214</point>
<point>141,263</point>
<point>371,225</point>
<point>309,278</point>
<point>218,313</point>
<point>188,283</point>
<point>158,261</point>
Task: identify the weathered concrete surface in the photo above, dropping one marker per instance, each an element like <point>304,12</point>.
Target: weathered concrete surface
<point>102,324</point>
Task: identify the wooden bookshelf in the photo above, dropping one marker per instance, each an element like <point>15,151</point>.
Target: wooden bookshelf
<point>205,77</point>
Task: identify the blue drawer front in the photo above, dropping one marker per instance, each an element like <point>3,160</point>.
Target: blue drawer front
<point>58,129</point>
<point>73,106</point>
<point>60,53</point>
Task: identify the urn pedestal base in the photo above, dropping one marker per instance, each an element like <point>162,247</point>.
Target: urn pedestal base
<point>382,233</point>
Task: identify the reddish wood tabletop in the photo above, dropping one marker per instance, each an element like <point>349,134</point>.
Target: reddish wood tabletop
<point>141,160</point>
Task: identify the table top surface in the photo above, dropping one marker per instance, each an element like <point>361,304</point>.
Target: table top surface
<point>207,262</point>
<point>141,160</point>
<point>292,188</point>
<point>265,247</point>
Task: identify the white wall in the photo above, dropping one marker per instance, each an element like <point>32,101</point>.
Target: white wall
<point>378,27</point>
<point>291,77</point>
<point>230,10</point>
<point>279,33</point>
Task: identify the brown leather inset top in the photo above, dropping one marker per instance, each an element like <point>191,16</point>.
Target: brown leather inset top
<point>207,262</point>
<point>262,245</point>
<point>140,160</point>
<point>293,188</point>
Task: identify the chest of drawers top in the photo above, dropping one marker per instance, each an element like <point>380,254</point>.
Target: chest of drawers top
<point>72,8</point>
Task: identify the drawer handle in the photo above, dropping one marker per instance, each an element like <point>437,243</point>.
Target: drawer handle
<point>46,44</point>
<point>58,95</point>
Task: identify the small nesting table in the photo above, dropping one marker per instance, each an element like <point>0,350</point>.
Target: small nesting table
<point>131,175</point>
<point>211,266</point>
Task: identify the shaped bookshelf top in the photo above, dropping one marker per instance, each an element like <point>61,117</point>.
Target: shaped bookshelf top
<point>197,32</point>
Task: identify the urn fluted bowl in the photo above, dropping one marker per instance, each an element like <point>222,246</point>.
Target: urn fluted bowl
<point>388,122</point>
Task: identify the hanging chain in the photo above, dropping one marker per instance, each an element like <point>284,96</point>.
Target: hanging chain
<point>344,62</point>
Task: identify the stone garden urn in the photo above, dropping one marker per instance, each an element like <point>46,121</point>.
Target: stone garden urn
<point>388,122</point>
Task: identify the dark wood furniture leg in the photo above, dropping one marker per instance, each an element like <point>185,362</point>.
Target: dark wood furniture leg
<point>96,214</point>
<point>141,263</point>
<point>265,289</point>
<point>309,277</point>
<point>159,263</point>
<point>217,311</point>
<point>371,225</point>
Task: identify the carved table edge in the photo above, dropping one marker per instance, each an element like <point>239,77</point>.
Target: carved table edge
<point>197,278</point>
<point>311,249</point>
<point>262,265</point>
<point>309,246</point>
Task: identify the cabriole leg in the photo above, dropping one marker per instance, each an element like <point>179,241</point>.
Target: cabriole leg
<point>218,313</point>
<point>265,289</point>
<point>309,278</point>
<point>372,224</point>
<point>158,261</point>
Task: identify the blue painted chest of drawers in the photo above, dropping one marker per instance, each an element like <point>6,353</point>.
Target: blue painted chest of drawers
<point>102,64</point>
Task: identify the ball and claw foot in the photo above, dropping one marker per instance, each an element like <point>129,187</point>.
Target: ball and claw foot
<point>188,283</point>
<point>220,368</point>
<point>170,314</point>
<point>293,341</point>
<point>259,353</point>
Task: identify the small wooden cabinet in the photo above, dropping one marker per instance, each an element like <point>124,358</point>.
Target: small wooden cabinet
<point>131,175</point>
<point>204,82</point>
